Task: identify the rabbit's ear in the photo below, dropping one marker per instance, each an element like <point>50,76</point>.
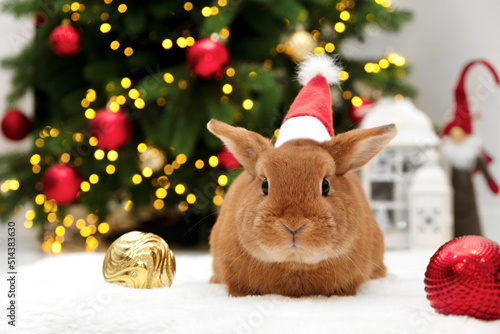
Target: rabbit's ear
<point>352,149</point>
<point>245,145</point>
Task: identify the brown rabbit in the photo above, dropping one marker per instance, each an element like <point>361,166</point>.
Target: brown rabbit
<point>296,221</point>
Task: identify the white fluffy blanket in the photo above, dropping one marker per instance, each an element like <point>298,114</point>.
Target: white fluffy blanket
<point>67,294</point>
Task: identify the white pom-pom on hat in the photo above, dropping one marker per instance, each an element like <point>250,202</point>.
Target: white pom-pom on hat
<point>315,65</point>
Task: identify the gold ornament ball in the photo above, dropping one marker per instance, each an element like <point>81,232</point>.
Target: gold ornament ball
<point>299,44</point>
<point>153,158</point>
<point>139,260</point>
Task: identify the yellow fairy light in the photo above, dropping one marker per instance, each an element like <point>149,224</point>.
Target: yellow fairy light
<point>163,181</point>
<point>120,99</point>
<point>35,159</point>
<point>167,43</point>
<point>181,42</point>
<point>60,230</point>
<point>343,75</point>
<point>147,172</point>
<point>75,17</point>
<point>168,169</point>
<point>329,47</point>
<point>93,141</point>
<point>191,198</point>
<point>114,45</point>
<point>110,169</point>
<point>319,51</point>
<point>66,8</point>
<point>133,93</point>
<point>247,104</point>
<point>158,204</point>
<point>114,106</point>
<point>344,15</point>
<point>103,228</point>
<point>252,75</point>
<point>176,165</point>
<point>92,218</point>
<point>94,178</point>
<point>85,186</point>
<point>386,3</point>
<point>104,16</point>
<point>357,101</point>
<point>383,63</point>
<point>39,142</point>
<point>136,179</point>
<point>222,3</point>
<point>169,78</point>
<point>65,157</point>
<point>222,180</point>
<point>376,68</point>
<point>206,11</point>
<point>339,27</point>
<point>161,193</point>
<point>142,147</point>
<point>68,220</point>
<point>214,10</point>
<point>213,161</point>
<point>125,82</point>
<point>36,169</point>
<point>122,8</point>
<point>90,113</point>
<point>180,189</point>
<point>199,164</point>
<point>91,95</point>
<point>85,231</point>
<point>112,155</point>
<point>51,217</point>
<point>105,28</point>
<point>224,33</point>
<point>218,200</point>
<point>80,223</point>
<point>54,132</point>
<point>190,41</point>
<point>230,72</point>
<point>183,84</point>
<point>91,244</point>
<point>99,154</point>
<point>183,206</point>
<point>28,223</point>
<point>128,51</point>
<point>56,247</point>
<point>139,103</point>
<point>75,6</point>
<point>14,185</point>
<point>30,214</point>
<point>399,61</point>
<point>188,6</point>
<point>369,67</point>
<point>181,158</point>
<point>85,103</point>
<point>40,199</point>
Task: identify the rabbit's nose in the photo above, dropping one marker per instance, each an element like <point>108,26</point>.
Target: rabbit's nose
<point>293,232</point>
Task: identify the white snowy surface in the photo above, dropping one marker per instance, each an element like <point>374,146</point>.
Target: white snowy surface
<point>67,294</point>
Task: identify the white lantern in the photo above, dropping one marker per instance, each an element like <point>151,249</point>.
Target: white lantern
<point>386,178</point>
<point>430,206</point>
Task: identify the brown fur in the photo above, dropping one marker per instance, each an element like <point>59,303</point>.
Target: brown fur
<point>337,246</point>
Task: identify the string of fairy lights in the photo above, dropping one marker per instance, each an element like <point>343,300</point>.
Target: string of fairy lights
<point>152,161</point>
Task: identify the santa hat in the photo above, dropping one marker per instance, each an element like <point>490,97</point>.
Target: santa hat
<point>311,115</point>
<point>460,145</point>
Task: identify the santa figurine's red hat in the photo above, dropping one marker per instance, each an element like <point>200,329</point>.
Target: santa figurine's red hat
<point>311,116</point>
<point>459,143</point>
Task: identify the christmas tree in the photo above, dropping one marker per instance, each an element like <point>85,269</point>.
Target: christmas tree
<point>123,92</point>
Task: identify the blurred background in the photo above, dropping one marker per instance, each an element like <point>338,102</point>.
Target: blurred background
<point>434,46</point>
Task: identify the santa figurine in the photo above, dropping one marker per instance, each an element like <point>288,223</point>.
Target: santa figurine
<point>465,152</point>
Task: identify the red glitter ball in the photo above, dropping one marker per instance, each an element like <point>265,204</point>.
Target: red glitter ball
<point>65,41</point>
<point>62,184</point>
<point>112,129</point>
<point>207,59</point>
<point>463,278</point>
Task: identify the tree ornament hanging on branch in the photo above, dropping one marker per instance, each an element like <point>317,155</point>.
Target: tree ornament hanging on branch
<point>208,59</point>
<point>65,40</point>
<point>464,151</point>
<point>462,278</point>
<point>299,44</point>
<point>15,125</point>
<point>62,184</point>
<point>112,129</point>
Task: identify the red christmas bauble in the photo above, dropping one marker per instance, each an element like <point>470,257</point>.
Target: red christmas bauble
<point>112,129</point>
<point>358,113</point>
<point>227,159</point>
<point>15,125</point>
<point>62,184</point>
<point>207,59</point>
<point>463,278</point>
<point>65,41</point>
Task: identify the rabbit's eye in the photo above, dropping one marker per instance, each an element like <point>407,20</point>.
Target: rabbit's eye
<point>325,187</point>
<point>265,187</point>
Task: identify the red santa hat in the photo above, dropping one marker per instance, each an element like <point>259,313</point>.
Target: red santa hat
<point>460,145</point>
<point>311,115</point>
